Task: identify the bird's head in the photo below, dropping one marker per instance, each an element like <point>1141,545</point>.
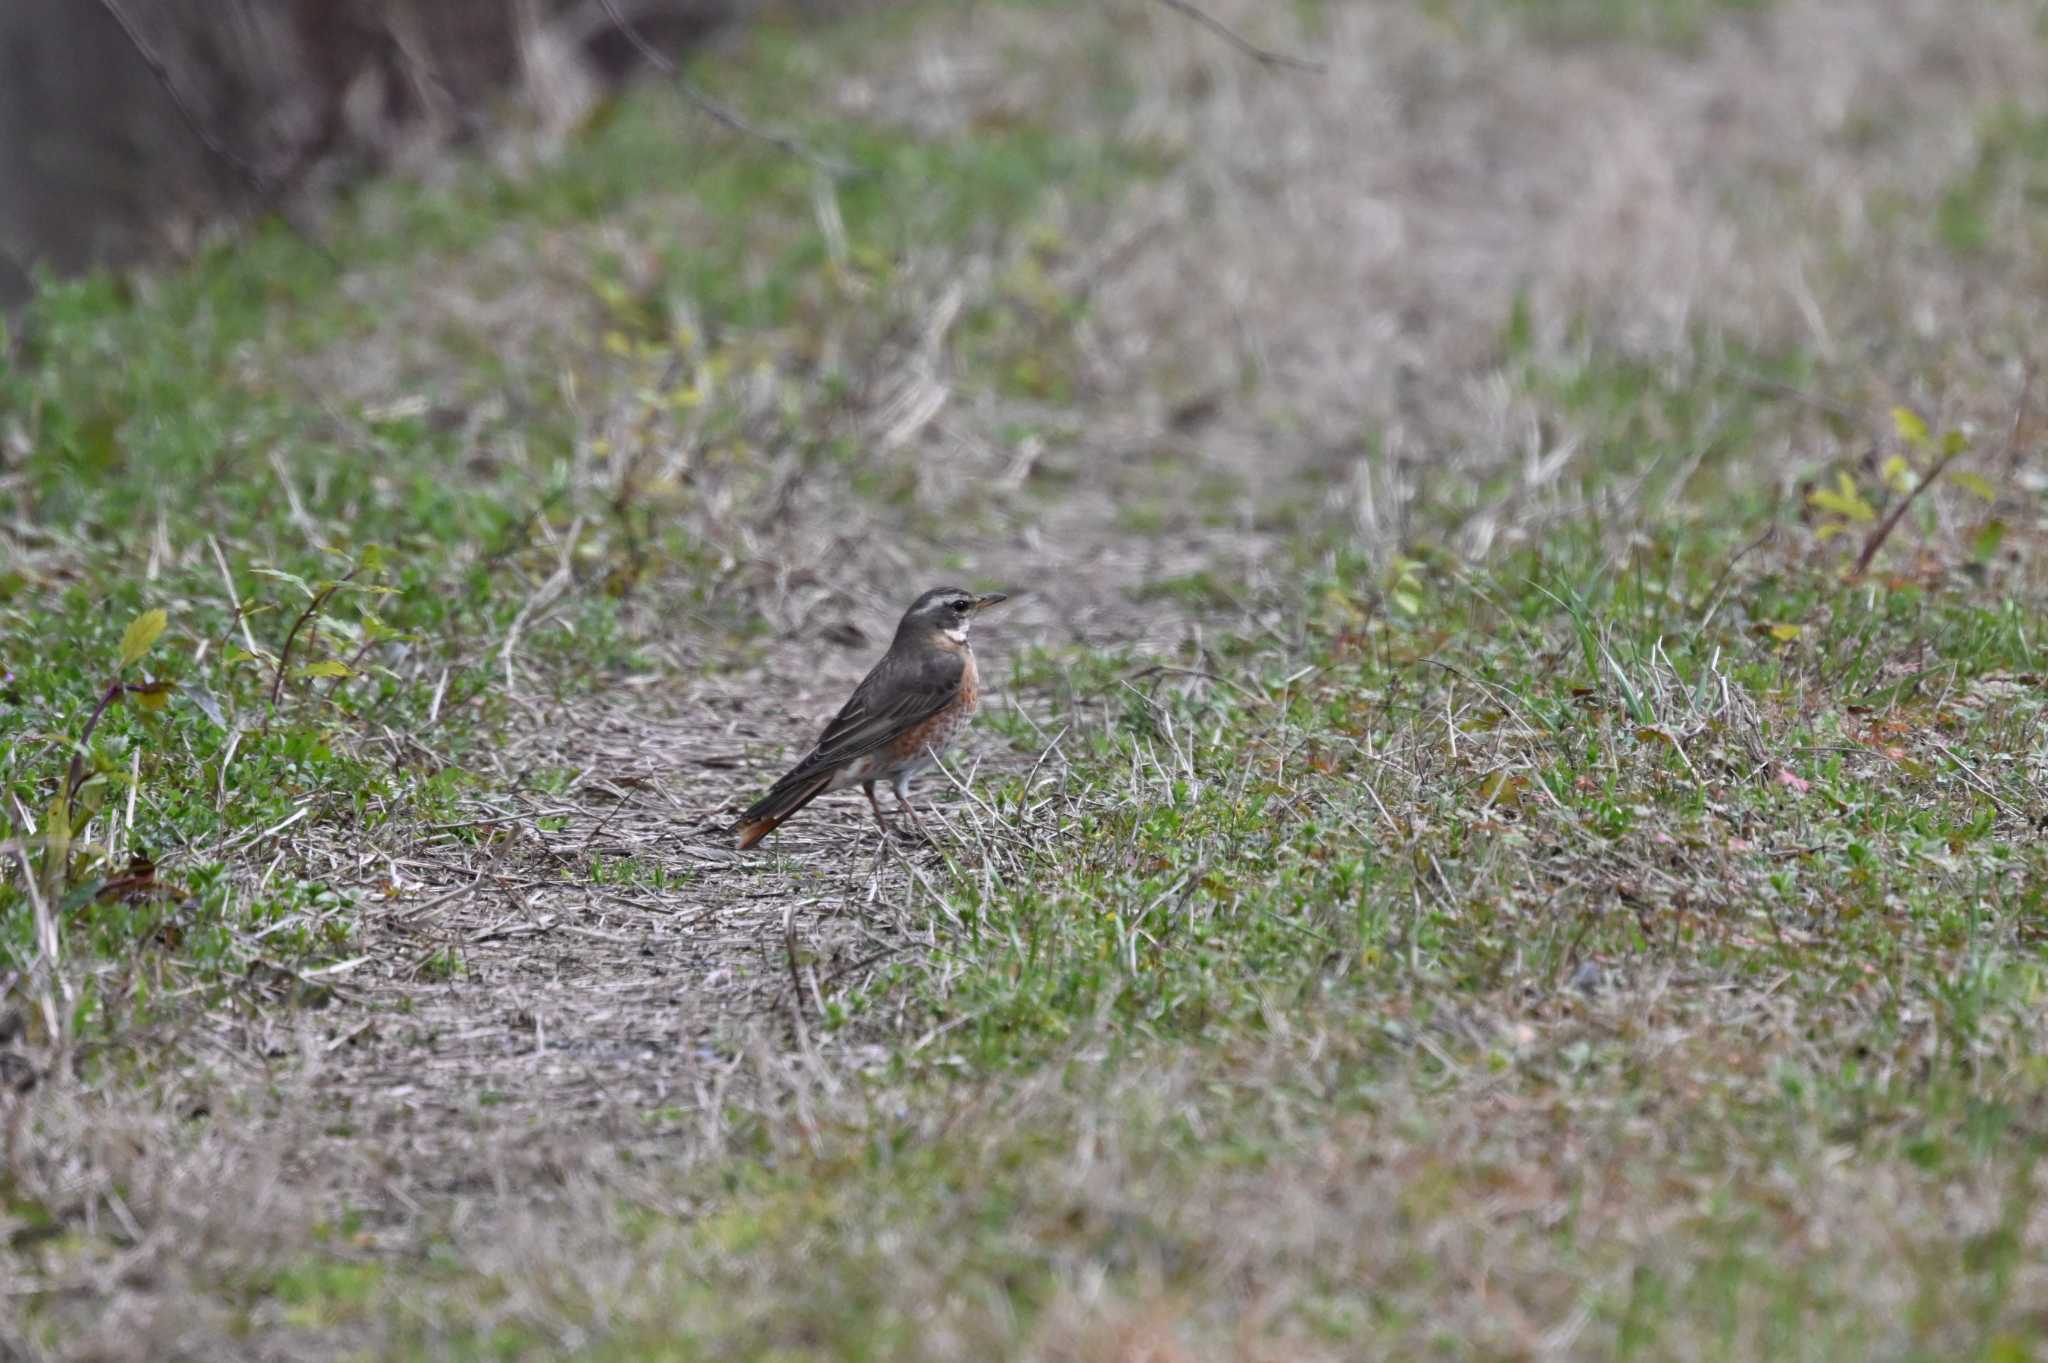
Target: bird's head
<point>947,612</point>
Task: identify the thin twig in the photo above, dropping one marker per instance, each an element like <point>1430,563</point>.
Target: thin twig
<point>250,839</point>
<point>234,600</point>
<point>1884,528</point>
<point>75,777</point>
<point>1714,594</point>
<point>2019,422</point>
<point>1265,56</point>
<point>162,72</point>
<point>1970,775</point>
<point>49,954</point>
<point>545,596</point>
<point>1161,669</point>
<point>1764,383</point>
<point>285,656</point>
<point>264,186</point>
<point>714,109</point>
<point>796,983</point>
<point>1499,693</point>
<point>606,821</point>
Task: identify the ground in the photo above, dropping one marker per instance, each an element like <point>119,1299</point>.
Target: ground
<point>1506,823</point>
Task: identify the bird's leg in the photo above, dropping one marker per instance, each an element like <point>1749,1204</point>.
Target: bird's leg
<point>903,798</point>
<point>868,789</point>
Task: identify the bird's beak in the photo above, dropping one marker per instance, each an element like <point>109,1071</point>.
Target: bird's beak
<point>982,603</point>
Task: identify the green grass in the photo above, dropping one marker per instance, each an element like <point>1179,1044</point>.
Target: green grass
<point>1975,217</point>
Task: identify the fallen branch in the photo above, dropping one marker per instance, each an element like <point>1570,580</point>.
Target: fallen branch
<point>716,110</point>
<point>266,188</point>
<point>157,68</point>
<point>1265,56</point>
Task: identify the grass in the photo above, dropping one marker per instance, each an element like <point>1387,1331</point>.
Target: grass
<point>1622,939</point>
<point>1587,952</point>
<point>1991,205</point>
<point>172,423</point>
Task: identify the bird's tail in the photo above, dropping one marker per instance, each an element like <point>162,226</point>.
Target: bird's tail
<point>785,798</point>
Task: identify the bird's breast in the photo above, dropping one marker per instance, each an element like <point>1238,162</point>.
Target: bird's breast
<point>970,685</point>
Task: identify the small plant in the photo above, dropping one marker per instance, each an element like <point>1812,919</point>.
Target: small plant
<point>1924,460</point>
<point>1405,586</point>
<point>440,966</point>
<point>306,628</point>
<point>84,787</point>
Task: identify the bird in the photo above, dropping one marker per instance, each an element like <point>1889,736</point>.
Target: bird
<point>901,716</point>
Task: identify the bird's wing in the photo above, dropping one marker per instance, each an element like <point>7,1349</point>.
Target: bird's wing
<point>898,695</point>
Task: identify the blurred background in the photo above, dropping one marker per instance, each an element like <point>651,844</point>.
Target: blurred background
<point>126,130</point>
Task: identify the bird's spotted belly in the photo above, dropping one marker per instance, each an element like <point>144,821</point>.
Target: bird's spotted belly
<point>920,745</point>
<point>917,747</point>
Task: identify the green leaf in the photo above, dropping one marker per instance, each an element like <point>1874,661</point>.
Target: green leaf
<point>2008,1348</point>
<point>1984,547</point>
<point>324,669</point>
<point>1899,690</point>
<point>283,576</point>
<point>203,698</point>
<point>1843,500</point>
<point>1638,708</point>
<point>1974,483</point>
<point>1502,790</point>
<point>81,895</point>
<point>152,695</point>
<point>141,635</point>
<point>1910,427</point>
